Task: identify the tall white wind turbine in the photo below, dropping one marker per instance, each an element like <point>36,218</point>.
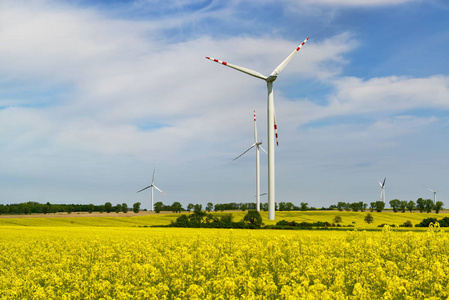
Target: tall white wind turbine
<point>382,190</point>
<point>258,146</point>
<point>434,194</point>
<point>152,186</point>
<point>271,119</point>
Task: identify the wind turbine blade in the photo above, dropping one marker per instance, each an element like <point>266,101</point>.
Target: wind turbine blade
<point>263,149</point>
<point>383,184</point>
<point>287,60</point>
<point>238,68</point>
<point>245,151</point>
<point>255,128</point>
<point>160,190</point>
<point>275,128</point>
<point>145,188</point>
<point>380,184</point>
<point>154,170</point>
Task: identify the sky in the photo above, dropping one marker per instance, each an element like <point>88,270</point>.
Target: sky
<point>94,94</point>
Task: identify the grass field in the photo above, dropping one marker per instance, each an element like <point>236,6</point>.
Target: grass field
<point>129,220</point>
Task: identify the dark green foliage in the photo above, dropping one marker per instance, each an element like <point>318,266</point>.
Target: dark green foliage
<point>380,205</point>
<point>176,207</point>
<point>407,223</point>
<point>136,207</point>
<point>426,222</point>
<point>209,206</point>
<point>394,204</point>
<point>108,207</point>
<point>125,208</point>
<point>369,218</point>
<point>337,219</point>
<point>253,217</point>
<point>438,206</point>
<point>286,224</point>
<point>158,207</point>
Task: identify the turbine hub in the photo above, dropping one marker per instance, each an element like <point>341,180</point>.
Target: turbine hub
<point>271,78</point>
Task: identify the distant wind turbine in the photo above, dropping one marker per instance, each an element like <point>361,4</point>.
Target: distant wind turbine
<point>257,145</point>
<point>271,119</point>
<point>434,194</point>
<point>382,190</point>
<point>152,186</point>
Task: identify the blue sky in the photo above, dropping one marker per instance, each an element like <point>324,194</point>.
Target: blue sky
<point>94,94</point>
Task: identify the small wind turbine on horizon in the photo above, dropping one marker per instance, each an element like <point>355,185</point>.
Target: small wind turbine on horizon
<point>271,119</point>
<point>382,190</point>
<point>152,186</point>
<point>434,194</point>
<point>257,145</point>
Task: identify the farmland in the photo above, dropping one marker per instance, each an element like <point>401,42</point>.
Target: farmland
<point>103,257</point>
<point>355,219</point>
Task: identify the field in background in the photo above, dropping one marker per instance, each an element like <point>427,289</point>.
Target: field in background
<point>355,219</point>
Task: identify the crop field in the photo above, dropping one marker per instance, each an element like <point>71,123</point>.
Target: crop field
<point>85,262</point>
<point>355,219</point>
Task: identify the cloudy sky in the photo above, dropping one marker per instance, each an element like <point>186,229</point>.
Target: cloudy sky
<point>95,93</point>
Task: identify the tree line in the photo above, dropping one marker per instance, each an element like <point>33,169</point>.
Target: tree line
<point>48,208</point>
<point>421,205</point>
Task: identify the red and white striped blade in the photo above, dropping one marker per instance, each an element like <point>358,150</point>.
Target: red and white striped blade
<point>245,151</point>
<point>255,128</point>
<point>160,190</point>
<point>276,130</point>
<point>238,68</point>
<point>287,60</point>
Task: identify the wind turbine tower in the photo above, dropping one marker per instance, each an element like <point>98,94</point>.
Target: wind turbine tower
<point>271,119</point>
<point>382,190</point>
<point>434,194</point>
<point>257,145</point>
<point>152,186</point>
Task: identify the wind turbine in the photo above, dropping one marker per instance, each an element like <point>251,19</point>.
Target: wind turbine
<point>434,194</point>
<point>382,190</point>
<point>152,186</point>
<point>271,119</point>
<point>257,145</point>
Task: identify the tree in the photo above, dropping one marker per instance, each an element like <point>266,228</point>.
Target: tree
<point>438,206</point>
<point>69,208</point>
<point>403,206</point>
<point>411,206</point>
<point>428,204</point>
<point>394,204</point>
<point>158,207</point>
<point>420,204</point>
<point>369,218</point>
<point>176,207</point>
<point>190,207</point>
<point>101,209</point>
<point>136,207</point>
<point>337,219</point>
<point>125,208</point>
<point>118,208</point>
<point>253,217</point>
<point>108,207</point>
<point>341,206</point>
<point>372,206</point>
<point>197,208</point>
<point>304,206</point>
<point>219,207</point>
<point>244,207</point>
<point>91,208</point>
<point>380,205</point>
<point>209,206</point>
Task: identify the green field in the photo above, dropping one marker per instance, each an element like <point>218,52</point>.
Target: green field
<point>355,219</point>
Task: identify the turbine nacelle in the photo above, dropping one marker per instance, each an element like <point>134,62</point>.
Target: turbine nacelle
<point>271,78</point>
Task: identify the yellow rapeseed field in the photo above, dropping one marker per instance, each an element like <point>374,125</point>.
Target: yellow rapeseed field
<point>173,263</point>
